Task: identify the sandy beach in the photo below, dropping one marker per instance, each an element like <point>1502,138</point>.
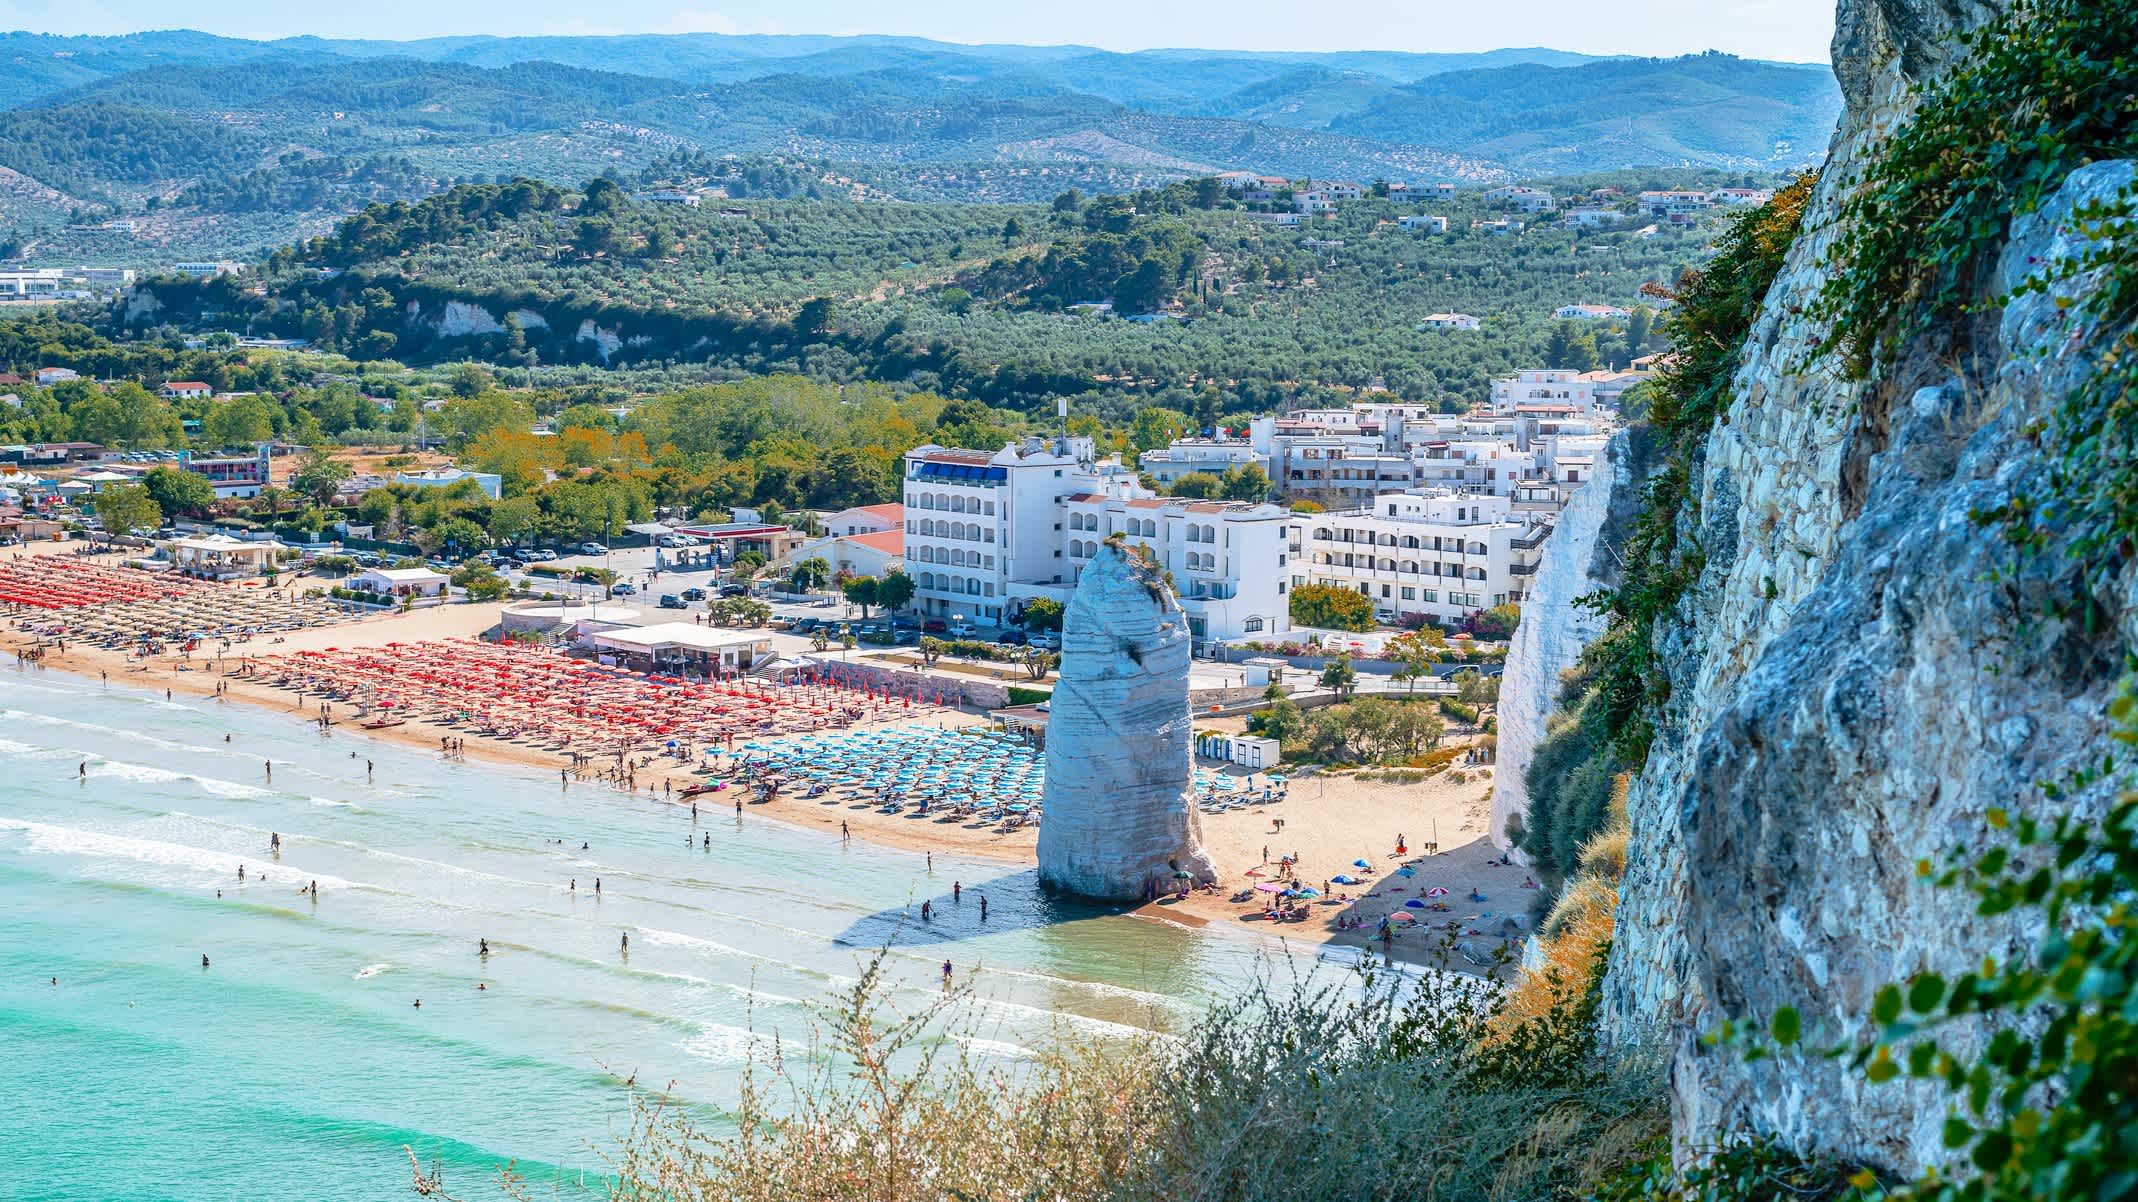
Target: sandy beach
<point>1329,820</point>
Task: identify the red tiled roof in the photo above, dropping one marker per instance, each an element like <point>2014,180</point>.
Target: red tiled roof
<point>892,512</point>
<point>194,385</point>
<point>890,542</point>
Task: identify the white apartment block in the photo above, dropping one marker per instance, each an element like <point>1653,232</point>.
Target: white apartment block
<point>1590,312</point>
<point>1583,391</point>
<point>1431,552</point>
<point>1228,558</point>
<point>1525,200</point>
<point>1338,471</point>
<point>1187,455</point>
<point>36,284</point>
<point>985,532</point>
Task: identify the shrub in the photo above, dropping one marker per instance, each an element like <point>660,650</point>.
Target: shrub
<point>1358,1091</point>
<point>1019,695</point>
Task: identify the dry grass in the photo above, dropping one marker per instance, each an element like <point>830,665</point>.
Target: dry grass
<point>1574,936</point>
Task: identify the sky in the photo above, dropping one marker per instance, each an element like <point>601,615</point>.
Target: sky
<point>1795,30</point>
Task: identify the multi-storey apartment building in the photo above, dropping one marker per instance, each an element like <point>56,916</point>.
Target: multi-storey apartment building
<point>1185,455</point>
<point>985,533</point>
<point>1228,559</point>
<point>1432,553</point>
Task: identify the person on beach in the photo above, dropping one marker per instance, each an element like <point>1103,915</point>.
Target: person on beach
<point>957,891</point>
<point>983,907</point>
<point>946,974</point>
<point>83,770</point>
<point>482,947</point>
<point>627,943</point>
<point>927,912</point>
<point>597,886</point>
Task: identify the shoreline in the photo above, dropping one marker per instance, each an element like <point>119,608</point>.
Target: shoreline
<point>1346,805</point>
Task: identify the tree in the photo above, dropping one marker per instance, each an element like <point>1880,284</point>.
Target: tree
<point>1196,485</point>
<point>1570,348</point>
<point>126,508</point>
<point>1155,428</point>
<point>271,499</point>
<point>813,320</point>
<point>932,650</point>
<point>810,574</point>
<point>1331,607</point>
<point>1497,622</point>
<point>470,380</point>
<point>1042,613</point>
<point>321,476</point>
<point>748,564</point>
<point>1475,688</point>
<point>1244,482</point>
<point>1417,653</point>
<point>863,591</point>
<point>1338,676</point>
<point>1037,662</point>
<point>513,519</point>
<point>238,422</point>
<point>1280,720</point>
<point>479,581</point>
<point>894,591</point>
<point>176,490</point>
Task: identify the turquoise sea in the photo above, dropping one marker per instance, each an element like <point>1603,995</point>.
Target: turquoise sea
<point>297,1066</point>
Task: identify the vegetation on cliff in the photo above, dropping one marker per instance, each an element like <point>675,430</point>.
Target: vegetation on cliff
<point>1432,1092</point>
<point>1611,700</point>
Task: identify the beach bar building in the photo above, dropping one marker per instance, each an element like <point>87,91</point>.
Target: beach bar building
<point>221,557</point>
<point>400,582</point>
<point>681,647</point>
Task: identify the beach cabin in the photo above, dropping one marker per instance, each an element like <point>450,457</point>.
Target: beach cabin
<point>681,647</point>
<point>221,557</point>
<point>1248,751</point>
<point>400,582</point>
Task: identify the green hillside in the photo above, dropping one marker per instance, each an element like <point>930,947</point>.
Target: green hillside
<point>972,300</point>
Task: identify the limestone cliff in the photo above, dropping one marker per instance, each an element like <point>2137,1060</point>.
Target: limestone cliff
<point>1577,561</point>
<point>1851,684</point>
<point>1120,815</point>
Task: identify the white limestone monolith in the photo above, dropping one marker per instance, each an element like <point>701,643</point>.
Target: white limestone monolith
<point>1120,815</point>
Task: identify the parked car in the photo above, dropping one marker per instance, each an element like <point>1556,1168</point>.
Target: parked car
<point>734,590</point>
<point>935,626</point>
<point>963,630</point>
<point>592,549</point>
<point>623,588</point>
<point>693,594</point>
<point>1047,640</point>
<point>904,624</point>
<point>671,601</point>
<point>806,625</point>
<point>1012,638</point>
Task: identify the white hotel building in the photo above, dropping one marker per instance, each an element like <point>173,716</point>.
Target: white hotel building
<point>986,532</point>
<point>1431,552</point>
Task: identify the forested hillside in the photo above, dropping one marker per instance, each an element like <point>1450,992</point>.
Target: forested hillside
<point>971,300</point>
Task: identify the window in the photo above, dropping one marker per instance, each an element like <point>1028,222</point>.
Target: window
<point>1409,593</point>
<point>1251,625</point>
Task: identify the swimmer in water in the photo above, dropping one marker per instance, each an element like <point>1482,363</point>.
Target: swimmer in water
<point>204,961</point>
<point>482,947</point>
<point>627,944</point>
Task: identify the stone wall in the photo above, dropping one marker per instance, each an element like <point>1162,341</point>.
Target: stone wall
<point>1849,691</point>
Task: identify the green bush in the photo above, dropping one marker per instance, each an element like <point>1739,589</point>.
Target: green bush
<point>1019,695</point>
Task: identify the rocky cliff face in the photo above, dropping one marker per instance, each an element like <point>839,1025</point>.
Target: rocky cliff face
<point>1120,817</point>
<point>1553,632</point>
<point>1851,687</point>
